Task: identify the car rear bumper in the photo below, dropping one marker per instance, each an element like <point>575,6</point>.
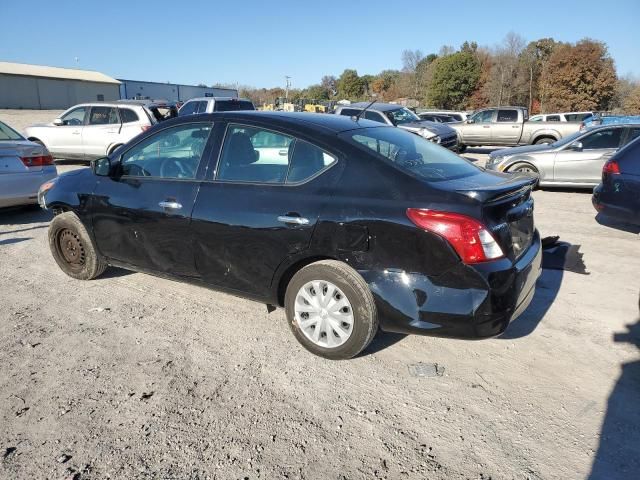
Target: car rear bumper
<point>22,188</point>
<point>603,200</point>
<point>467,302</point>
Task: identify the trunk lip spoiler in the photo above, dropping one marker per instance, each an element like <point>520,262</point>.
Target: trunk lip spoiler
<point>497,194</point>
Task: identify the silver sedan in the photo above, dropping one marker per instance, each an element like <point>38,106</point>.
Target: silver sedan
<point>24,166</point>
<point>572,161</point>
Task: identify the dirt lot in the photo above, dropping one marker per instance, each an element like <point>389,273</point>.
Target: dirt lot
<point>133,376</point>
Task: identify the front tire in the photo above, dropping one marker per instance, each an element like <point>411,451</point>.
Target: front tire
<point>330,310</point>
<point>522,167</point>
<point>545,141</point>
<point>72,248</point>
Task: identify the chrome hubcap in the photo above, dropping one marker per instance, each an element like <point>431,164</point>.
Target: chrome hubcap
<point>324,314</point>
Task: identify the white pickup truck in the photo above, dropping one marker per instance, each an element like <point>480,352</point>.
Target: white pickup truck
<point>508,126</point>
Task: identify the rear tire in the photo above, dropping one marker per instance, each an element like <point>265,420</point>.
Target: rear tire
<point>462,148</point>
<point>338,309</point>
<point>545,141</point>
<point>72,248</point>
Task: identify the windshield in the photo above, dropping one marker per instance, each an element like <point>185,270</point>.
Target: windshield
<point>8,133</point>
<point>402,115</point>
<point>411,153</point>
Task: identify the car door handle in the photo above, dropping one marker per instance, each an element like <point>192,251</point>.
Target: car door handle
<point>293,220</point>
<point>284,152</point>
<point>171,205</point>
<point>515,126</point>
<point>486,126</point>
<point>77,132</point>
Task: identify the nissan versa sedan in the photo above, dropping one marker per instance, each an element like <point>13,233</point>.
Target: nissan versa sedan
<point>347,224</point>
<point>24,166</point>
<point>573,161</point>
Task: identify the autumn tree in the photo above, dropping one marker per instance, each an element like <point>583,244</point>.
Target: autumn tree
<point>455,78</point>
<point>631,103</point>
<point>579,77</point>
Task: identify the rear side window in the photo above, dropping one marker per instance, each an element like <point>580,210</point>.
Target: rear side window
<point>633,134</point>
<point>103,116</point>
<point>509,116</point>
<point>350,112</point>
<point>188,108</point>
<point>256,155</point>
<point>602,139</point>
<point>411,153</point>
<point>8,133</point>
<point>232,105</point>
<point>127,115</point>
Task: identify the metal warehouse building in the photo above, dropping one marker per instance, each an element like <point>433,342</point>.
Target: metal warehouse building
<point>41,87</point>
<point>173,92</point>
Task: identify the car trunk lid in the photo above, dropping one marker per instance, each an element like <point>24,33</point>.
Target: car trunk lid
<point>12,153</point>
<point>504,204</point>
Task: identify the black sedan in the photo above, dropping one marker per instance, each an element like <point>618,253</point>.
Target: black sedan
<point>347,224</point>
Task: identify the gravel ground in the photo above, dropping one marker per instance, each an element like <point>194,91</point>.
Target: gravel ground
<point>134,376</point>
<point>20,119</point>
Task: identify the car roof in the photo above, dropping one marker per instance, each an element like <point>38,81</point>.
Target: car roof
<point>382,107</point>
<point>116,103</point>
<point>217,99</point>
<point>332,123</point>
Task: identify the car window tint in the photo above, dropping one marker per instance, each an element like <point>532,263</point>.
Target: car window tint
<point>103,116</point>
<point>508,116</point>
<point>188,108</point>
<point>349,112</point>
<point>75,116</point>
<point>202,107</point>
<point>171,153</point>
<point>254,155</point>
<point>127,115</point>
<point>633,134</point>
<point>412,153</point>
<point>553,118</point>
<point>629,158</point>
<point>536,118</point>
<point>307,160</point>
<point>375,116</point>
<point>232,105</point>
<point>602,139</point>
<point>483,117</point>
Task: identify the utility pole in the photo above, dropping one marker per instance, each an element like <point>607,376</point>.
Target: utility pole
<point>287,79</point>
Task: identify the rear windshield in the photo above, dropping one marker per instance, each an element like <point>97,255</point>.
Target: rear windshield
<point>411,153</point>
<point>232,105</point>
<point>8,133</point>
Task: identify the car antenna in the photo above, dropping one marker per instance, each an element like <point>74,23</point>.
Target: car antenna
<point>357,117</point>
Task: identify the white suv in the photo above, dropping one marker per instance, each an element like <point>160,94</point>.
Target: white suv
<point>91,130</point>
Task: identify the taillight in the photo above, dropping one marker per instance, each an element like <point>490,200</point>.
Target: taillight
<point>611,167</point>
<point>469,238</point>
<point>37,161</point>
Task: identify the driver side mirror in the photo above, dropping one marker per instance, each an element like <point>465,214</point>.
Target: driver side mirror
<point>58,122</point>
<point>576,146</point>
<point>469,120</point>
<point>101,166</point>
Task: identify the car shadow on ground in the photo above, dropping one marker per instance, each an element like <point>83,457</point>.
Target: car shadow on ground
<point>617,224</point>
<point>617,455</point>
<point>381,341</point>
<point>8,241</point>
<point>24,215</point>
<point>114,272</point>
<point>482,150</point>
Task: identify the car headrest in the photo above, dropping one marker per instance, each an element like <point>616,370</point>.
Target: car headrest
<point>240,150</point>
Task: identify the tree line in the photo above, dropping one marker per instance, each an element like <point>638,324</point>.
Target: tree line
<point>545,75</point>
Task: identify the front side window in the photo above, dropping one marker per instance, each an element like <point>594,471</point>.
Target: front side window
<point>508,116</point>
<point>486,116</point>
<point>256,155</point>
<point>553,118</point>
<point>188,108</point>
<point>411,153</point>
<point>602,139</point>
<point>375,116</point>
<point>201,107</point>
<point>75,117</point>
<point>103,116</point>
<point>536,118</point>
<point>171,153</point>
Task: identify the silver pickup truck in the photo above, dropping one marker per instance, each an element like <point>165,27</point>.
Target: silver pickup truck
<point>508,126</point>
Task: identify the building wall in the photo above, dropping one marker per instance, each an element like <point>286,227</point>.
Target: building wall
<point>17,91</point>
<point>170,91</point>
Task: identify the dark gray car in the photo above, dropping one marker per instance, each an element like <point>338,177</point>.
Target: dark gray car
<point>402,117</point>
